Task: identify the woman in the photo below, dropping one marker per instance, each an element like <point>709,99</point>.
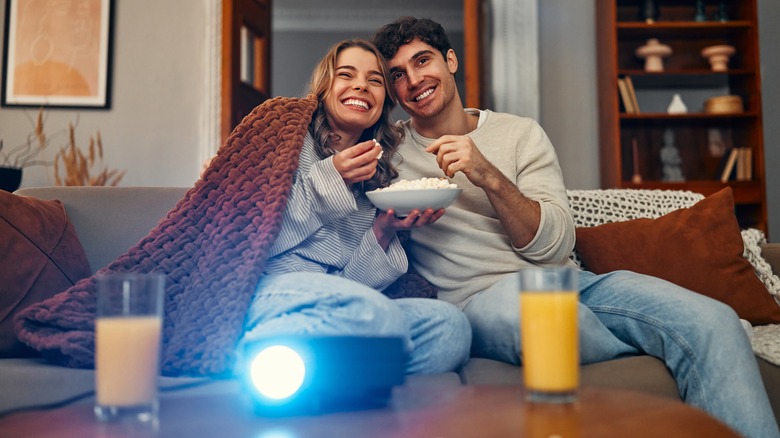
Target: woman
<point>334,252</point>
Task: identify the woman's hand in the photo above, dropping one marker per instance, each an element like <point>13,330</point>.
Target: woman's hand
<point>357,163</point>
<point>387,223</point>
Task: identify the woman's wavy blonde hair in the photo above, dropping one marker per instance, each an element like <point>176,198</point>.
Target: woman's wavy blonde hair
<point>387,133</point>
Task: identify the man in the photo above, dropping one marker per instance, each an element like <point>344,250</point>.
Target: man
<point>513,212</point>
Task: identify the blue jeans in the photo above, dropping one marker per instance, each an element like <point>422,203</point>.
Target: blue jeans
<point>436,334</point>
<point>624,313</point>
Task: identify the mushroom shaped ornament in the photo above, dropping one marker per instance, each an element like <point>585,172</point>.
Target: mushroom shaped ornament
<point>653,53</point>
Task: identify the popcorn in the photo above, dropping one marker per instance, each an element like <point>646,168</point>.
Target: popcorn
<point>381,151</point>
<point>419,184</point>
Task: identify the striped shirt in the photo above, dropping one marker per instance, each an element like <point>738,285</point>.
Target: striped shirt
<point>327,228</point>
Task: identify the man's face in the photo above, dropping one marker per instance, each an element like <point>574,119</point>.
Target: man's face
<point>423,79</point>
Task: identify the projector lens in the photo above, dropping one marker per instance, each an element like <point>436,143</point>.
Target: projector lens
<point>277,372</point>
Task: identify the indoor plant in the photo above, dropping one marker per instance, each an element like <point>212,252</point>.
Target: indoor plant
<point>14,160</point>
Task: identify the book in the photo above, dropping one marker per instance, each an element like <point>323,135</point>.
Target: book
<point>632,93</point>
<point>728,168</point>
<point>740,166</point>
<point>625,97</point>
<point>745,164</point>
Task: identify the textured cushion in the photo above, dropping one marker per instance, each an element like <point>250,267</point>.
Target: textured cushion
<point>699,248</point>
<point>40,256</point>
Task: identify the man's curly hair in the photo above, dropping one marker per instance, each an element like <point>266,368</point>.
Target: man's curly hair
<point>390,37</point>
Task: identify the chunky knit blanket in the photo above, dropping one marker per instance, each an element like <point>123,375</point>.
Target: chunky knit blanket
<point>212,246</point>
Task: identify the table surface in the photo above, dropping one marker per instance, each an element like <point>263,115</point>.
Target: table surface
<point>415,411</point>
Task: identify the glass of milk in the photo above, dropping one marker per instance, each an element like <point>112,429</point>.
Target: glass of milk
<point>127,345</point>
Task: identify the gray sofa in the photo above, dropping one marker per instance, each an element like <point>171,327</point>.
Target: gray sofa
<point>110,220</point>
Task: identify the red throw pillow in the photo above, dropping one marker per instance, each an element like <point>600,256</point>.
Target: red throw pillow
<point>40,256</point>
<point>699,248</point>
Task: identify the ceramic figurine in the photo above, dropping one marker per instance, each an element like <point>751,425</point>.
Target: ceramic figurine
<point>671,160</point>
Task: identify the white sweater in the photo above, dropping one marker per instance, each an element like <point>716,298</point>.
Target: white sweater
<point>467,250</point>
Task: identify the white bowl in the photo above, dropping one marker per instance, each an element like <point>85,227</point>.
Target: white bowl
<point>404,201</point>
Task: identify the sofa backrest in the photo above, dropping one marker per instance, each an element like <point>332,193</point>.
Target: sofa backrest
<point>110,220</point>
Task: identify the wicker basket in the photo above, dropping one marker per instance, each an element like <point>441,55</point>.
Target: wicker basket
<point>723,104</point>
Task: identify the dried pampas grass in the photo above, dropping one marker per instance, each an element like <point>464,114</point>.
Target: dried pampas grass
<point>79,167</point>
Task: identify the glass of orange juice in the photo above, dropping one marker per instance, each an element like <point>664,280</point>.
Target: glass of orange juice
<point>548,333</point>
<point>127,345</point>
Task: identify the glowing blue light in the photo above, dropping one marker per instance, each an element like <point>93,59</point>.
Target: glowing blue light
<point>277,372</point>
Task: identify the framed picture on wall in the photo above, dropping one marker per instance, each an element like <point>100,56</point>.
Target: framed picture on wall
<point>57,53</point>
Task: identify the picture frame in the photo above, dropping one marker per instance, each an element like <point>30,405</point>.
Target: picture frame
<point>57,54</point>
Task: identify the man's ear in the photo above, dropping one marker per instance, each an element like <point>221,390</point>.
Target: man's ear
<point>452,61</point>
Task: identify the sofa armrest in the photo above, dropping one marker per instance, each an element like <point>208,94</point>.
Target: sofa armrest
<point>771,253</point>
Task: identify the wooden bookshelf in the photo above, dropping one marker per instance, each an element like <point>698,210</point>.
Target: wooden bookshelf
<point>702,138</point>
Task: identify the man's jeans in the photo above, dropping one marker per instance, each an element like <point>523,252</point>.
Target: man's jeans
<point>437,335</point>
<point>623,313</point>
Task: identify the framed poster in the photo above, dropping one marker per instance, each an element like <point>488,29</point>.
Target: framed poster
<point>57,53</point>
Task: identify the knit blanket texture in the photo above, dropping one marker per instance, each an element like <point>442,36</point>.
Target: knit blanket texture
<point>212,246</point>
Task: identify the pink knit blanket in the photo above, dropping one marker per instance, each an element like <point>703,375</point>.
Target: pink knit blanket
<point>212,246</point>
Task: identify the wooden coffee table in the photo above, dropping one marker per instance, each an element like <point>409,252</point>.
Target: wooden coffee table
<point>415,411</point>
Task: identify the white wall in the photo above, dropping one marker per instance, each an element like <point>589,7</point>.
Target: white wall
<point>151,130</point>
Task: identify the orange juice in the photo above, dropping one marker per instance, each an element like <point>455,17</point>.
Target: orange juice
<point>548,327</point>
<point>126,359</point>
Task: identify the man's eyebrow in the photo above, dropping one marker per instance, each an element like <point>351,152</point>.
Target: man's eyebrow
<point>412,58</point>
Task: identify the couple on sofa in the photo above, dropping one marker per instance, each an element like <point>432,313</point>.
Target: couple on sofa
<point>331,252</point>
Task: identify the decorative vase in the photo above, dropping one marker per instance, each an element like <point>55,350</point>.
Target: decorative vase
<point>677,106</point>
<point>718,56</point>
<point>722,15</point>
<point>653,53</point>
<point>701,14</point>
<point>648,12</point>
<point>10,178</point>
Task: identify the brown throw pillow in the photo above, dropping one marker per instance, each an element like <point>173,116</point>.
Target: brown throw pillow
<point>699,248</point>
<point>40,256</point>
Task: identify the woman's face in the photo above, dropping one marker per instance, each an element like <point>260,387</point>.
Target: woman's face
<point>357,94</point>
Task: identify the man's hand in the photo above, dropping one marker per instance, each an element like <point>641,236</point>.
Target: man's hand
<point>458,153</point>
<point>387,223</point>
<point>357,163</point>
<point>519,215</point>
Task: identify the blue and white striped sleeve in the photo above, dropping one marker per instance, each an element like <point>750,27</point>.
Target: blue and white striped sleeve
<point>317,197</point>
<point>374,267</point>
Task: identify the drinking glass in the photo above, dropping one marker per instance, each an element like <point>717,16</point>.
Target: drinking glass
<point>127,345</point>
<point>549,334</point>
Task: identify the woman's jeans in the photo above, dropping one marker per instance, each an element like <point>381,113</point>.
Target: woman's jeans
<point>623,313</point>
<point>436,334</point>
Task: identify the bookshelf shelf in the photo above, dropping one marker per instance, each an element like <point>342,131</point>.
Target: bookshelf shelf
<point>634,120</point>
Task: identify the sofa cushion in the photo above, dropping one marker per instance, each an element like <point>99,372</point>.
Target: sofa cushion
<point>41,256</point>
<point>699,248</point>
